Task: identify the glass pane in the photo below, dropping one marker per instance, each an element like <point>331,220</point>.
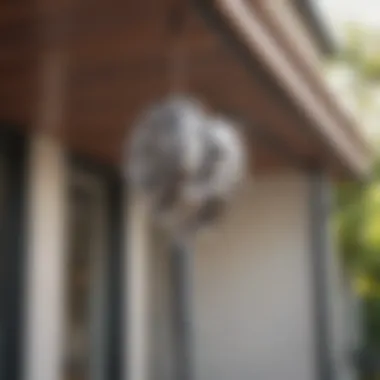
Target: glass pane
<point>2,188</point>
<point>84,286</point>
<point>2,258</point>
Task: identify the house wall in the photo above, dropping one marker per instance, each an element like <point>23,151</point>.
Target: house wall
<point>253,287</point>
<point>254,317</point>
<point>254,300</point>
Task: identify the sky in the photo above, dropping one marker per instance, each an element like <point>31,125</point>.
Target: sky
<point>338,12</point>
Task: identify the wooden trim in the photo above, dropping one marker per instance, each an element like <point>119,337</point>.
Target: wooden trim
<point>285,31</point>
<point>349,148</point>
<point>309,13</point>
<point>46,247</point>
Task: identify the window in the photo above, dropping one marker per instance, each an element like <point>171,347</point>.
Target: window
<point>86,280</point>
<point>93,272</point>
<point>12,199</point>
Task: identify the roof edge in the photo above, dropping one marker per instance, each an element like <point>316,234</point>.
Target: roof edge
<point>315,23</point>
<point>326,119</point>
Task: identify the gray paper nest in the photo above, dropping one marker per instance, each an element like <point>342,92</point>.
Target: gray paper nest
<point>187,161</point>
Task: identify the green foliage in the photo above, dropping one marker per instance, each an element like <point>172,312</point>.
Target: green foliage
<point>361,56</point>
<point>353,50</point>
<point>357,222</point>
<point>349,218</point>
<point>361,53</point>
<point>372,322</point>
<point>371,68</point>
<point>357,216</point>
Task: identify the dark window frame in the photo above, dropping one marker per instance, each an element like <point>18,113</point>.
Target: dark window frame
<point>13,147</point>
<point>115,287</point>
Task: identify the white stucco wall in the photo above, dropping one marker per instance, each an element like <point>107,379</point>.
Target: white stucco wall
<point>253,285</point>
<point>253,289</point>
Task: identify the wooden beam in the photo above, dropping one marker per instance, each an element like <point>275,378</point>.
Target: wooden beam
<point>261,42</point>
<point>84,26</point>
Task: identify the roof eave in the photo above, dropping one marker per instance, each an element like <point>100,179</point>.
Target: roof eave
<point>316,24</point>
<point>325,117</point>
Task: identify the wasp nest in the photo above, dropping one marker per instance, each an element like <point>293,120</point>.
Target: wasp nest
<point>188,161</point>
